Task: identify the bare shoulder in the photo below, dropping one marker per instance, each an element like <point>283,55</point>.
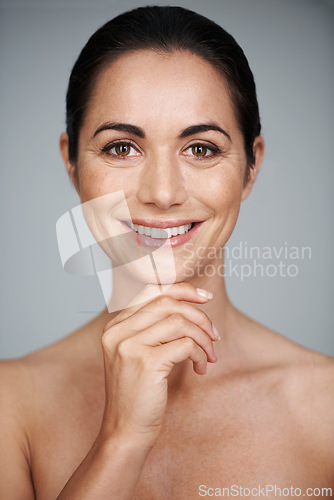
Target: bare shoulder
<point>15,474</point>
<point>302,381</point>
<point>37,392</point>
<point>309,390</point>
<point>273,349</point>
<point>12,392</point>
<point>54,368</point>
<point>25,380</point>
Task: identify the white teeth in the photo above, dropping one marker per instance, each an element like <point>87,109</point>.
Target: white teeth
<point>157,232</point>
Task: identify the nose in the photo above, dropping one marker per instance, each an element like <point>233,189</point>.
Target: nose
<point>162,183</point>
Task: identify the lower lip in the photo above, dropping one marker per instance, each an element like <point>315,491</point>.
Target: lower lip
<point>175,241</point>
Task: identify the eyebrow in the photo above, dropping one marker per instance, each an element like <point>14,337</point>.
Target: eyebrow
<point>139,132</point>
<point>122,127</point>
<point>196,129</point>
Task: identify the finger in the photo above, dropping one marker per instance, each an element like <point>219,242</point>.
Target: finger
<point>172,328</point>
<point>165,306</point>
<point>179,291</point>
<point>179,350</point>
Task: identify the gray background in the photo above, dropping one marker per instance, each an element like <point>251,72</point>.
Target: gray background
<point>289,44</point>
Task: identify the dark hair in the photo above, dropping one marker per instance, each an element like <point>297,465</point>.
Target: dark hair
<point>164,29</point>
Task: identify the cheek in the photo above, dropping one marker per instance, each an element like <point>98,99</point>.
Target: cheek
<point>224,193</point>
<point>97,181</point>
<point>224,202</point>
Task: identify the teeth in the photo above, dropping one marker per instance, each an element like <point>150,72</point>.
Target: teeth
<point>157,232</point>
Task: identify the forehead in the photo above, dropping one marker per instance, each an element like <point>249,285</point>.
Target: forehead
<point>148,86</point>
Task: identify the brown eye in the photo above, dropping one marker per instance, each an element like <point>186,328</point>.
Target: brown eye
<point>122,149</point>
<point>199,150</point>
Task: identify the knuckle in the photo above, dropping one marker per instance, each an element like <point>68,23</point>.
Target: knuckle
<point>188,342</point>
<point>141,358</point>
<point>164,301</point>
<point>107,339</point>
<point>177,319</point>
<point>123,348</point>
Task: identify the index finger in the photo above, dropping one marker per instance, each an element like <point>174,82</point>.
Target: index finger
<point>179,291</point>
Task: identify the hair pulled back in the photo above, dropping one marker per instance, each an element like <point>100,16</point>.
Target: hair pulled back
<point>163,29</point>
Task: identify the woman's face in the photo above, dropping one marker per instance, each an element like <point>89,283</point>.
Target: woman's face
<point>181,160</point>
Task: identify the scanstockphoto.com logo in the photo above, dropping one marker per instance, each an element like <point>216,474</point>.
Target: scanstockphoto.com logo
<point>244,261</point>
<point>268,490</point>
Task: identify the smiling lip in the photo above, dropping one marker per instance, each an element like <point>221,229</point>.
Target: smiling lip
<point>174,241</point>
<point>162,224</point>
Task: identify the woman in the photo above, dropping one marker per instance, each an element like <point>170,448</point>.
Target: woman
<point>163,132</point>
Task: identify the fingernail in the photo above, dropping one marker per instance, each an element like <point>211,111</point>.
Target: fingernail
<point>214,350</point>
<point>215,331</point>
<point>204,293</point>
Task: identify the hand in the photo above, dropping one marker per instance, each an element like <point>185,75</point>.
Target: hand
<point>141,345</point>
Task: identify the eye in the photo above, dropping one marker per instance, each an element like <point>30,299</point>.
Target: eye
<point>200,150</point>
<point>121,149</point>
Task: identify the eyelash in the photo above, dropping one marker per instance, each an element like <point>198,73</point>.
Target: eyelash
<point>106,149</point>
<point>215,150</point>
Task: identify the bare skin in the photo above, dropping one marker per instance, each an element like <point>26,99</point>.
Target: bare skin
<point>262,414</point>
<point>135,404</point>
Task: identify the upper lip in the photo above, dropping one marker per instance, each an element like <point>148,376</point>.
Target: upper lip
<point>163,224</point>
